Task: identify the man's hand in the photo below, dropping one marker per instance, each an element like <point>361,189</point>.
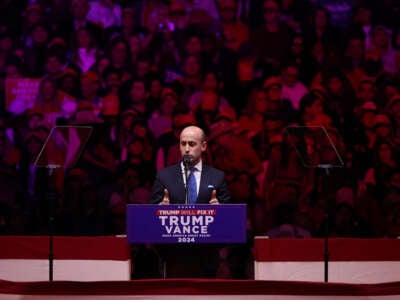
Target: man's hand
<point>165,200</point>
<point>214,199</point>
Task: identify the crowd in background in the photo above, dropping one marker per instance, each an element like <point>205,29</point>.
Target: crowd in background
<point>247,72</point>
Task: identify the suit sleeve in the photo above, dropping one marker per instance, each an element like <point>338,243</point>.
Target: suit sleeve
<point>223,195</point>
<point>157,192</point>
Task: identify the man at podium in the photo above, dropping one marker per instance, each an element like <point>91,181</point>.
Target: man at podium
<point>205,185</point>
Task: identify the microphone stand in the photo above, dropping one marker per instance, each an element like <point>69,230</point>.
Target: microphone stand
<point>186,184</point>
<point>186,163</point>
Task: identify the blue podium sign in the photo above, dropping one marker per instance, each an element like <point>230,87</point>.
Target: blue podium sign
<point>177,223</point>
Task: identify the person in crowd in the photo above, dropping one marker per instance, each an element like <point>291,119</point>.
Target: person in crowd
<point>284,224</point>
<point>118,52</point>
<point>288,175</point>
<point>385,162</point>
<point>381,46</point>
<point>135,42</point>
<point>384,127</point>
<point>130,25</point>
<point>322,37</point>
<point>161,119</point>
<point>233,160</point>
<point>234,31</point>
<point>364,140</point>
<point>121,134</point>
<point>100,163</point>
<point>272,40</point>
<point>393,108</point>
<point>211,83</point>
<point>86,52</point>
<point>9,56</point>
<point>276,104</point>
<point>292,88</point>
<point>90,89</point>
<point>35,53</point>
<point>107,13</point>
<point>112,81</point>
<point>130,188</point>
<point>346,222</point>
<point>269,137</point>
<point>168,152</point>
<point>102,63</point>
<point>207,112</point>
<point>366,92</point>
<point>295,13</point>
<point>300,55</point>
<point>78,18</point>
<point>157,88</point>
<point>52,103</point>
<point>362,24</point>
<point>354,61</point>
<point>340,98</point>
<point>32,15</point>
<point>253,116</point>
<point>192,78</point>
<point>134,96</point>
<point>310,108</point>
<point>83,212</point>
<point>10,159</point>
<point>69,83</point>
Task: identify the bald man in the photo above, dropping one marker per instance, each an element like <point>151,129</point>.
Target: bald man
<point>210,187</point>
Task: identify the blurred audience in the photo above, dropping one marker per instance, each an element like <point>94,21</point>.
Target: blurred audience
<point>140,71</point>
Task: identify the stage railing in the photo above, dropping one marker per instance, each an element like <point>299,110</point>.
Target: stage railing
<point>25,258</point>
<point>104,258</point>
<point>350,260</point>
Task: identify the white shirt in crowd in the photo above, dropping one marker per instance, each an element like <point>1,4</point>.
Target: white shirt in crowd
<point>104,15</point>
<point>87,58</point>
<point>294,93</point>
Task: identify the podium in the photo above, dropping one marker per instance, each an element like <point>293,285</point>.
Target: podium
<point>187,237</point>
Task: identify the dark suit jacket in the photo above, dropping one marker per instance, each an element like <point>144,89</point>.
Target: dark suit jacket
<point>171,178</point>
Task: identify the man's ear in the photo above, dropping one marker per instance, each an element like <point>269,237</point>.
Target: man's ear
<point>204,146</point>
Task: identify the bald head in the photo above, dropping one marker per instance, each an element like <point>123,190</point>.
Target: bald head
<point>194,131</point>
<point>192,143</point>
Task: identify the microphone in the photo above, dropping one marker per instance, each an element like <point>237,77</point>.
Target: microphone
<point>186,160</point>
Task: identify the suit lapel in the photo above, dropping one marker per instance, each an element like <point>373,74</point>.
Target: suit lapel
<point>204,193</point>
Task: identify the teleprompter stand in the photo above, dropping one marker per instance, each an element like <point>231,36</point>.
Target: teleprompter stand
<point>316,149</point>
<point>61,150</point>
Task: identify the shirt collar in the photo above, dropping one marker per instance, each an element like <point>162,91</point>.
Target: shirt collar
<point>198,166</point>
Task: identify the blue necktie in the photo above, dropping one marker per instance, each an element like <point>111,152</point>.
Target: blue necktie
<point>192,187</point>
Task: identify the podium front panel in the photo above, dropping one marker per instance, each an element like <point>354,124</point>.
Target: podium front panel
<point>187,224</point>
